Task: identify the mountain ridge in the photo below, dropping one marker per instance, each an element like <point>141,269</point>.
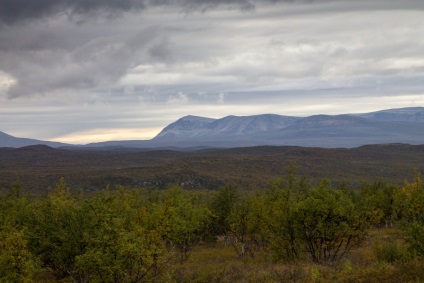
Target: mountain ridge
<point>400,125</point>
<point>7,140</point>
<point>403,125</point>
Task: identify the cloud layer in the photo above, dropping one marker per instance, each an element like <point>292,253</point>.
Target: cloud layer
<point>146,63</point>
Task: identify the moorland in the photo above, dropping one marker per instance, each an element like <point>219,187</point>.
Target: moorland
<point>38,168</point>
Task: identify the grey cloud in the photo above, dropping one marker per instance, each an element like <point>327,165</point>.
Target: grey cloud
<point>162,51</point>
<point>282,56</point>
<point>17,11</point>
<point>99,61</point>
<point>66,56</point>
<point>13,11</point>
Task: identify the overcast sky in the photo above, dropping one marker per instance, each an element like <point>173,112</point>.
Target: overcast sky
<point>80,71</point>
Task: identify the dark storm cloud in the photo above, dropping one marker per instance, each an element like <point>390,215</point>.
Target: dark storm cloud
<point>63,56</point>
<point>12,11</point>
<point>15,11</point>
<point>71,66</point>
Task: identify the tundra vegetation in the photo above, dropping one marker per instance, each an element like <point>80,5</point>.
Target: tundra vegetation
<point>290,231</point>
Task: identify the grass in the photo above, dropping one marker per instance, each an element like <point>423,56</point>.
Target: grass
<point>384,257</point>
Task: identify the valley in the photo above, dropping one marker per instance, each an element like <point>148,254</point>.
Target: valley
<point>39,167</point>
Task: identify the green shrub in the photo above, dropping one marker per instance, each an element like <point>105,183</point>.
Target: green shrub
<point>391,252</point>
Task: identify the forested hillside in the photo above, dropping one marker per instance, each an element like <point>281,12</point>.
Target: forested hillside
<point>289,231</point>
<point>39,167</point>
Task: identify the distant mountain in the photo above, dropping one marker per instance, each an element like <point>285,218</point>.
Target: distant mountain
<point>348,131</point>
<point>404,125</point>
<point>411,114</point>
<point>11,141</point>
<point>188,126</point>
<point>221,129</point>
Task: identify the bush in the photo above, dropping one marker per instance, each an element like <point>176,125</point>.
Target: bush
<point>390,252</point>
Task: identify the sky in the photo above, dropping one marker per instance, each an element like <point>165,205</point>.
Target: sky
<point>81,71</point>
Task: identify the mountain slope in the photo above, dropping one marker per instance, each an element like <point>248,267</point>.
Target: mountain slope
<point>191,127</point>
<point>405,125</point>
<point>410,114</point>
<point>188,126</point>
<point>11,141</point>
<point>348,131</point>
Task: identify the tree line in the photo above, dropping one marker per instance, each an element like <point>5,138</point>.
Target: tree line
<point>137,235</point>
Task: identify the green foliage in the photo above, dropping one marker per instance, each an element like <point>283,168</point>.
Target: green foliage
<point>106,238</point>
<point>324,222</point>
<point>414,234</point>
<point>315,274</point>
<point>331,224</point>
<point>245,225</point>
<point>17,263</point>
<point>409,201</point>
<point>221,206</point>
<point>283,227</point>
<point>143,235</point>
<point>409,211</point>
<point>14,208</point>
<point>115,254</point>
<point>186,220</point>
<point>390,252</point>
<point>58,231</point>
<point>379,197</point>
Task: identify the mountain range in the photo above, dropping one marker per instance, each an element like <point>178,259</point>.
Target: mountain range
<point>404,125</point>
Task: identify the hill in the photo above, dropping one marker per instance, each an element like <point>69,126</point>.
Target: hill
<point>11,141</point>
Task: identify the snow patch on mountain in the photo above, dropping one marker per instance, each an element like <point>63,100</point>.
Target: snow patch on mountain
<point>230,126</point>
<point>411,114</point>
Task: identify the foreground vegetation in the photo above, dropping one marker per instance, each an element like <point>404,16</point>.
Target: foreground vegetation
<point>289,232</point>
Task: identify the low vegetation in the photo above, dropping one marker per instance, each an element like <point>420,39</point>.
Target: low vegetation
<point>38,168</point>
<point>290,231</point>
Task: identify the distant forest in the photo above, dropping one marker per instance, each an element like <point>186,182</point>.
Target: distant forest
<point>38,168</point>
